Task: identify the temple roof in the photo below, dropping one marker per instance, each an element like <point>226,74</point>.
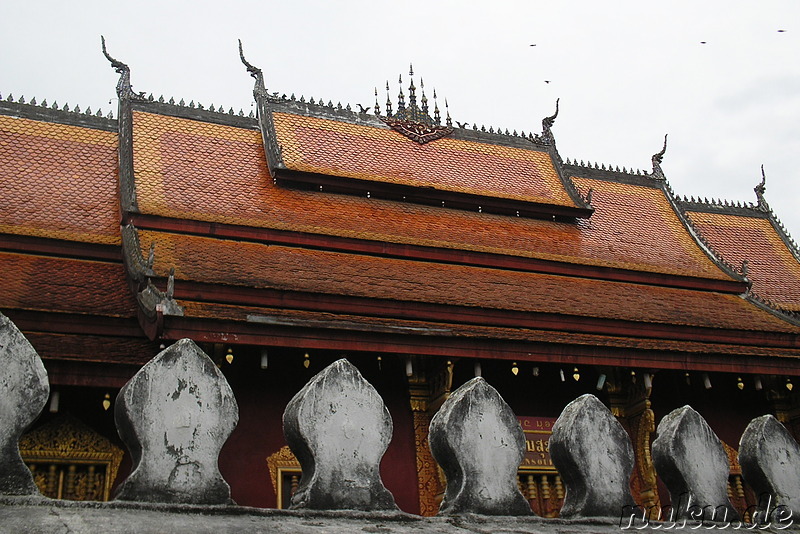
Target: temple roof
<point>753,235</point>
<point>386,280</point>
<point>74,194</point>
<point>371,151</point>
<point>317,225</point>
<point>215,172</point>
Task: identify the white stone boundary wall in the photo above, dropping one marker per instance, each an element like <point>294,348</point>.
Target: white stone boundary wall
<point>177,412</point>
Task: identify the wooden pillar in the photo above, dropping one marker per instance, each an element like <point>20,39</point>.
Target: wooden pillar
<point>785,403</point>
<point>429,386</point>
<point>629,393</point>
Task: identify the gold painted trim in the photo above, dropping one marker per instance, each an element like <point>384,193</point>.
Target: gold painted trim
<point>67,441</point>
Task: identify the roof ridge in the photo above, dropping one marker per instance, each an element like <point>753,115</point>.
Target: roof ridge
<point>760,208</point>
<point>773,307</point>
<point>764,206</point>
<point>192,105</point>
<point>55,106</point>
<point>276,97</point>
<point>706,245</point>
<point>602,166</point>
<point>784,234</point>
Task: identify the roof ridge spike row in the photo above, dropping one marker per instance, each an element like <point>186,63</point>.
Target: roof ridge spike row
<point>44,105</point>
<point>736,272</point>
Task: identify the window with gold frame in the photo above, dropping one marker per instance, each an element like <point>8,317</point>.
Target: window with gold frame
<point>71,461</point>
<point>285,472</point>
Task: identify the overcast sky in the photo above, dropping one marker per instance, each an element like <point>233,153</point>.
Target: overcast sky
<point>717,76</point>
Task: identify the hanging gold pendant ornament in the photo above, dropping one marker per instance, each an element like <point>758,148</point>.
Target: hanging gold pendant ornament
<point>514,368</point>
<point>306,360</point>
<point>107,401</point>
<point>229,356</point>
<point>380,360</point>
<point>739,383</point>
<point>575,374</point>
<point>789,384</point>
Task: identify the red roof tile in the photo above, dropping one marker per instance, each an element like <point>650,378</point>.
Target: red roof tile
<point>774,271</point>
<point>210,172</point>
<point>86,348</point>
<point>218,261</point>
<point>64,285</point>
<point>338,148</point>
<point>58,181</point>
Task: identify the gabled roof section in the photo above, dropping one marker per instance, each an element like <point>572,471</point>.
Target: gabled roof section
<point>751,234</point>
<point>465,169</point>
<point>59,179</point>
<point>657,180</point>
<point>340,151</point>
<point>217,173</point>
<point>210,260</point>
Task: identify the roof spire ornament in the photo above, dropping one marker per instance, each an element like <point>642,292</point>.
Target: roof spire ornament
<point>388,101</point>
<point>414,121</point>
<point>271,147</point>
<point>547,124</point>
<point>124,84</point>
<point>401,99</point>
<point>657,158</point>
<point>760,189</point>
<point>254,71</point>
<point>377,106</point>
<point>424,98</point>
<point>436,116</point>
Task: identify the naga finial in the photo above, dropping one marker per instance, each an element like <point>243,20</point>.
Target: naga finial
<point>656,159</point>
<point>548,122</point>
<point>760,189</point>
<point>117,65</point>
<point>124,83</point>
<point>254,71</point>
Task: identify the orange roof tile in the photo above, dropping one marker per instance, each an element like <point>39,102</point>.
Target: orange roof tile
<point>774,271</point>
<point>210,172</point>
<point>227,262</point>
<point>339,148</point>
<point>58,181</point>
<point>64,285</point>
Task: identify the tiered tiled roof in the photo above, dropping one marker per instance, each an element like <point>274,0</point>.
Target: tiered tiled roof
<point>58,181</point>
<point>217,173</point>
<point>372,151</point>
<point>33,282</point>
<point>63,281</point>
<point>265,231</point>
<point>750,234</point>
<point>217,261</point>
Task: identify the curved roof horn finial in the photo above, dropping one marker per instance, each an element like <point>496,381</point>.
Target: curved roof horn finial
<point>547,124</point>
<point>760,189</point>
<point>124,83</point>
<point>254,71</point>
<point>657,158</point>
